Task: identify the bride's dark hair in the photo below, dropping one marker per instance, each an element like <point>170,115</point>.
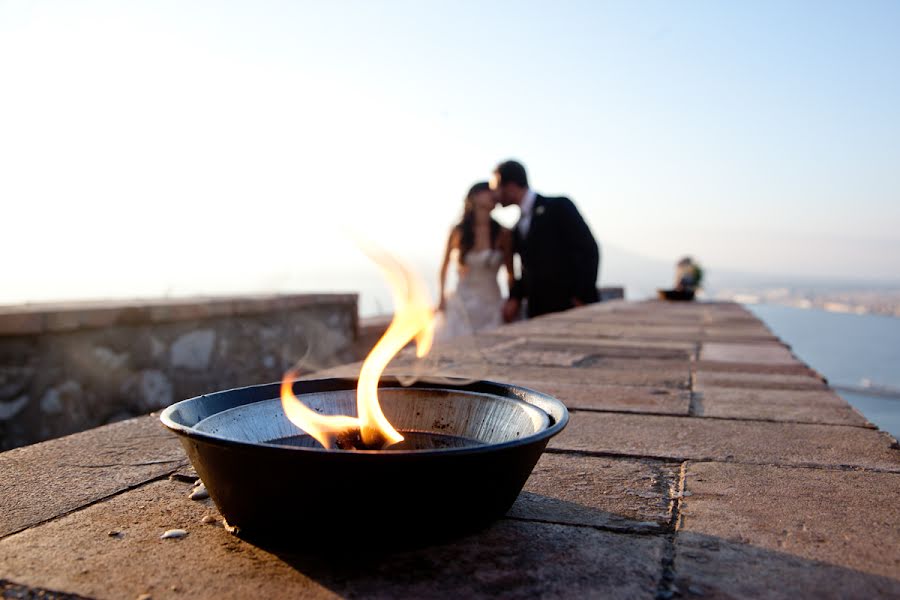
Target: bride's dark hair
<point>466,226</point>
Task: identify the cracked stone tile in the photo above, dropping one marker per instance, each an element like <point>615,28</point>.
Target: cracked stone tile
<point>619,494</point>
<point>45,480</point>
<point>784,532</point>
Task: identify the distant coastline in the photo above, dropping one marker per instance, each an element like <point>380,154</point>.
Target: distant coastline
<point>861,301</point>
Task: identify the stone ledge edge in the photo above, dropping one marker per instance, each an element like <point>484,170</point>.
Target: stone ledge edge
<point>73,316</point>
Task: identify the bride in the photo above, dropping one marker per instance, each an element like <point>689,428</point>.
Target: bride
<point>480,246</point>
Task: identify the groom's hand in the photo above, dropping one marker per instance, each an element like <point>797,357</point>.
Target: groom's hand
<point>510,310</point>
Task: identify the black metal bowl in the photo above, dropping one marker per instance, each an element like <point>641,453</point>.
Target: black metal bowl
<point>477,443</point>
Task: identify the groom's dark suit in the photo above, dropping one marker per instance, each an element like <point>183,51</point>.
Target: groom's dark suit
<point>560,258</point>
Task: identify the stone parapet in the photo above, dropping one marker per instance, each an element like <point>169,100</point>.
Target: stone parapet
<point>702,460</point>
<point>30,319</point>
<point>68,367</point>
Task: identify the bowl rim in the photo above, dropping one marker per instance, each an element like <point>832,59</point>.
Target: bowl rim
<point>514,392</point>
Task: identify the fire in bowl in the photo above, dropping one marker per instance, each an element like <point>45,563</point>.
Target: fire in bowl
<point>468,449</point>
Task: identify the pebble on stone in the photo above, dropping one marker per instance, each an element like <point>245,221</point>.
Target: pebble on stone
<point>199,492</point>
<point>173,534</point>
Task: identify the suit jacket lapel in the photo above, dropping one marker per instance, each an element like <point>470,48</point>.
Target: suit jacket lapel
<point>537,212</point>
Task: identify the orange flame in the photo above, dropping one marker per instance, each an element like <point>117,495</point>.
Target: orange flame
<point>324,428</point>
<point>413,320</point>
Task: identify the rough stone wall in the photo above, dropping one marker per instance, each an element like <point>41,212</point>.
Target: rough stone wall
<point>67,369</point>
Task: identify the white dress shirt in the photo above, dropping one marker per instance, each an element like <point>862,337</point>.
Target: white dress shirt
<point>527,206</point>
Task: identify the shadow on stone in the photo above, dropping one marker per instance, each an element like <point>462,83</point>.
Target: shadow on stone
<point>510,559</point>
<point>550,554</point>
<point>718,568</point>
<point>524,558</point>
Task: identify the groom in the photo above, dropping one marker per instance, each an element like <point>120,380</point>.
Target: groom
<point>559,255</point>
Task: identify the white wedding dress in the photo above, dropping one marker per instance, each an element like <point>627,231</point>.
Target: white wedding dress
<point>476,304</point>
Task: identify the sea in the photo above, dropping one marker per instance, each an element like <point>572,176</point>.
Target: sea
<point>858,354</point>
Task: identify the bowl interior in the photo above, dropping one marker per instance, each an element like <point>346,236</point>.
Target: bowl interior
<point>428,418</point>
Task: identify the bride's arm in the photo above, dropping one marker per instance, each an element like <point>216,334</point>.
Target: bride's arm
<point>452,242</point>
<point>513,303</point>
<point>506,246</point>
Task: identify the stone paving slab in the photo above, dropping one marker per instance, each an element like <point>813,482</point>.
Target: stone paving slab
<point>710,568</point>
<point>539,357</point>
<point>738,335</point>
<point>591,318</point>
<point>624,398</point>
<point>611,330</point>
<point>728,440</point>
<point>773,381</point>
<point>781,531</point>
<point>602,347</point>
<point>617,494</point>
<point>805,406</point>
<point>626,327</point>
<point>703,366</point>
<point>555,351</point>
<point>611,363</point>
<point>465,345</point>
<point>761,354</point>
<point>45,480</point>
<point>513,559</point>
<point>794,510</point>
<point>669,378</point>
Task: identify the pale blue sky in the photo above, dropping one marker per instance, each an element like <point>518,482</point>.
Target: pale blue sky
<point>205,146</point>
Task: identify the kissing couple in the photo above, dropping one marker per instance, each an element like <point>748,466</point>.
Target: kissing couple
<point>559,257</point>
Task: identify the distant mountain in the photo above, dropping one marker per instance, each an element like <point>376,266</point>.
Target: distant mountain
<point>640,275</point>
